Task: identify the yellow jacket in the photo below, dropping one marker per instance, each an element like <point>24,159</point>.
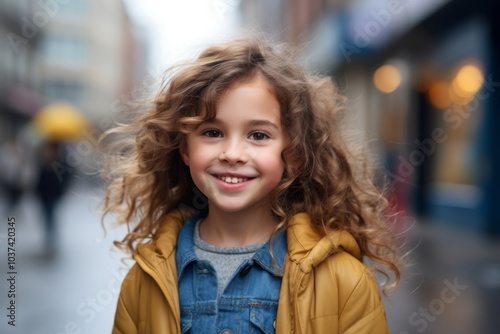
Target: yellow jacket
<point>325,287</point>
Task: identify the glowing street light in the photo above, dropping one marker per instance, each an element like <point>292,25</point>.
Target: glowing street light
<point>387,78</point>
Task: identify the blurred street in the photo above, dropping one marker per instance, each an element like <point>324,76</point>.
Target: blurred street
<point>453,287</point>
<point>73,291</point>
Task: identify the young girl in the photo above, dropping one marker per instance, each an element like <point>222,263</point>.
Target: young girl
<point>245,210</point>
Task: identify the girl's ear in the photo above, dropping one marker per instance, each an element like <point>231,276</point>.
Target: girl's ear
<point>183,149</point>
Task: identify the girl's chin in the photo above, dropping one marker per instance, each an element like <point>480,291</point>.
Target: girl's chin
<point>230,208</point>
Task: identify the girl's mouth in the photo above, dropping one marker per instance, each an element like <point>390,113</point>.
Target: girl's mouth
<point>229,179</point>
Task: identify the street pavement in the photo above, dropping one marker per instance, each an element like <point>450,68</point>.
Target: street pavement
<point>453,285</point>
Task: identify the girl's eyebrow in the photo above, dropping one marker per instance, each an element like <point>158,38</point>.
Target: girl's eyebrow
<point>263,122</point>
<point>253,122</point>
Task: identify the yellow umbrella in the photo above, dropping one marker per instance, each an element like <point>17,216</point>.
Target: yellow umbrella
<point>60,121</point>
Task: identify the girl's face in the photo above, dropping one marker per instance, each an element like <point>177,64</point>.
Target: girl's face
<point>235,159</point>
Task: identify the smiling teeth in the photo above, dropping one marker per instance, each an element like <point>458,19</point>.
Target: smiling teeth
<point>229,179</point>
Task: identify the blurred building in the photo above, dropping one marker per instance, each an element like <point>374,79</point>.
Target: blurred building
<point>85,52</point>
<point>18,96</point>
<point>89,55</point>
<point>281,20</point>
<point>423,77</point>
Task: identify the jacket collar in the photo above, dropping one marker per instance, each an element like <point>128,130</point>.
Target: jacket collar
<point>308,248</point>
<point>304,245</point>
<point>185,250</point>
<point>155,258</point>
<point>279,248</point>
<point>165,237</point>
<point>185,246</point>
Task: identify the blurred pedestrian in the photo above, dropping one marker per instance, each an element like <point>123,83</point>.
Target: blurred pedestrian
<point>50,187</point>
<point>16,172</point>
<point>290,215</point>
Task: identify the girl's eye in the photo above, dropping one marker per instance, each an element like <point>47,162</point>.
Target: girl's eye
<point>259,136</point>
<point>212,133</point>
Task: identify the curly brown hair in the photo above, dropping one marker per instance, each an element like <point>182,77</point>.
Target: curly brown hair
<point>322,176</point>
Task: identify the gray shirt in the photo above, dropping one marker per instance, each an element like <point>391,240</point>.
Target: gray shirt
<point>225,260</point>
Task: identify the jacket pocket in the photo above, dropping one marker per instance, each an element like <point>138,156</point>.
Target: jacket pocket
<point>263,317</point>
<point>186,322</point>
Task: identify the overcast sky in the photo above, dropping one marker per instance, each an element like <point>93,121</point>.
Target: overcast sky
<point>180,29</point>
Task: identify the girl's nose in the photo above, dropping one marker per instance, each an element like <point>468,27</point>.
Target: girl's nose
<point>233,153</point>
